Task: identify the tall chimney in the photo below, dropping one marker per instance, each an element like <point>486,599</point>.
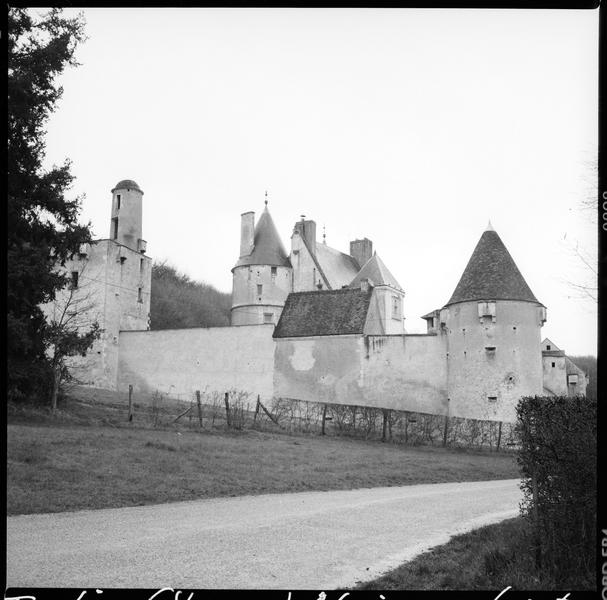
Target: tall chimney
<point>247,233</point>
<point>307,230</point>
<point>361,250</point>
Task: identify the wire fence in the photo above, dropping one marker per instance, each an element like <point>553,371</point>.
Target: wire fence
<point>237,410</point>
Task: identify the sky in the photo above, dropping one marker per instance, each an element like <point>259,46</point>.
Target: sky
<point>411,127</point>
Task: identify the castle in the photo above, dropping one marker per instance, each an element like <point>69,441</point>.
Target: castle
<point>322,326</point>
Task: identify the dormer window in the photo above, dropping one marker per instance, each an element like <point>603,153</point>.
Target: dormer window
<point>548,347</point>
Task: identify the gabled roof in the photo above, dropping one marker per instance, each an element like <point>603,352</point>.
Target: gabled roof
<point>329,312</point>
<point>267,247</point>
<point>375,271</point>
<point>491,274</point>
<point>337,267</point>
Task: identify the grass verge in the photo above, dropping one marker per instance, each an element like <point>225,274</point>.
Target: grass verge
<point>60,464</point>
<point>489,558</point>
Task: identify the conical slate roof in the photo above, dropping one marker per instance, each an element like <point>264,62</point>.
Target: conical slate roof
<point>267,247</point>
<point>376,271</point>
<point>491,274</point>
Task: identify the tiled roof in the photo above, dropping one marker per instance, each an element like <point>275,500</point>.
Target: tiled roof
<point>376,271</point>
<point>337,267</point>
<point>267,247</point>
<point>329,312</point>
<point>491,274</point>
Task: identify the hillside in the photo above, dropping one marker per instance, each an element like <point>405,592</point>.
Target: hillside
<point>178,301</point>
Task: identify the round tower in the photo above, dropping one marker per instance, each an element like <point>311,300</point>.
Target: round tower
<point>262,277</point>
<point>492,323</point>
<point>127,209</point>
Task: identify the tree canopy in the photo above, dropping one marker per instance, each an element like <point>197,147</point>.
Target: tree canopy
<point>43,227</point>
<point>177,301</point>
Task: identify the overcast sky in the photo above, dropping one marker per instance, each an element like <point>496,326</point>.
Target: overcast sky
<point>410,127</point>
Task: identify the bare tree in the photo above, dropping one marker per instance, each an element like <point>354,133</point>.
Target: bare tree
<point>72,327</point>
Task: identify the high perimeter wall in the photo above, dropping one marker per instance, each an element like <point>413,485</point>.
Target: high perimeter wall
<point>396,371</point>
<point>181,361</point>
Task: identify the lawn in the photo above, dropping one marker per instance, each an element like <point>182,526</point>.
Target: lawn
<point>56,464</point>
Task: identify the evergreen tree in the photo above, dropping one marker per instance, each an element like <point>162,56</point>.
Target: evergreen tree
<point>43,228</point>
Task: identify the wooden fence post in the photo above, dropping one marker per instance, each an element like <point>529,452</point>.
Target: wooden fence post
<point>256,409</point>
<point>130,402</point>
<point>384,425</point>
<point>499,437</point>
<point>227,403</point>
<point>324,418</point>
<point>199,407</point>
<point>446,431</point>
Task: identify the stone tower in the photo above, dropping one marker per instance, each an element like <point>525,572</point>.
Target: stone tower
<point>262,277</point>
<point>127,209</point>
<point>492,325</point>
<point>112,277</point>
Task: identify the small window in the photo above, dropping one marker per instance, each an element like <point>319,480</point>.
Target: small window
<point>268,317</point>
<point>548,347</point>
<point>259,289</point>
<point>553,365</point>
<point>141,265</point>
<point>273,271</point>
<point>74,280</point>
<point>396,307</point>
<point>117,201</point>
<point>139,294</point>
<point>492,398</point>
<point>115,228</point>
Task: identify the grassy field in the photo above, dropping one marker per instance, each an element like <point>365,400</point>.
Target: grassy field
<point>78,459</point>
<point>489,558</point>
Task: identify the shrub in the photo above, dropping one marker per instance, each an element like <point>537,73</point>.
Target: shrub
<point>557,457</point>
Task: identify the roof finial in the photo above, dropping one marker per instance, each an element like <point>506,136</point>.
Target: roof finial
<point>324,236</point>
<point>266,200</point>
<point>489,227</point>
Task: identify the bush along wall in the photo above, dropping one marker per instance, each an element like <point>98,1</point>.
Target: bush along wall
<point>558,461</point>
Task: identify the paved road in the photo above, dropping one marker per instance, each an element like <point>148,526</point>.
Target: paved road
<point>308,540</point>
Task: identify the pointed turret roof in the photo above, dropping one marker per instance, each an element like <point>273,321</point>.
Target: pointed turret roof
<point>375,271</point>
<point>491,274</point>
<point>267,247</point>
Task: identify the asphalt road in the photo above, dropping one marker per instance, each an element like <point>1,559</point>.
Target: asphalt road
<point>309,540</point>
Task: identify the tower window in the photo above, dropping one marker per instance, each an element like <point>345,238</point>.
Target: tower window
<point>74,280</point>
<point>141,265</point>
<point>273,271</point>
<point>259,289</point>
<point>268,317</point>
<point>117,201</point>
<point>553,365</point>
<point>139,294</point>
<point>395,307</point>
<point>115,228</point>
<point>492,398</point>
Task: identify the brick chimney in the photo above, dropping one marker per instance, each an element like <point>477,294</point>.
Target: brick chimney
<point>247,233</point>
<point>307,230</point>
<point>361,251</point>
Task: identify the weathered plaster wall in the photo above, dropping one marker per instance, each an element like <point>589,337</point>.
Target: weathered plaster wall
<point>380,320</point>
<point>400,372</point>
<point>305,273</point>
<point>182,361</point>
<point>513,370</point>
<point>555,378</point>
<point>248,307</point>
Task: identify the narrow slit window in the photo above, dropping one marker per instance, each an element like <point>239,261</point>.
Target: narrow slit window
<point>259,289</point>
<point>139,294</point>
<point>115,228</point>
<point>117,201</point>
<point>141,265</point>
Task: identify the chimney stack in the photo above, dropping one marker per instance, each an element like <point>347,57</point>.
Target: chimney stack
<point>247,233</point>
<point>361,251</point>
<point>307,230</point>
